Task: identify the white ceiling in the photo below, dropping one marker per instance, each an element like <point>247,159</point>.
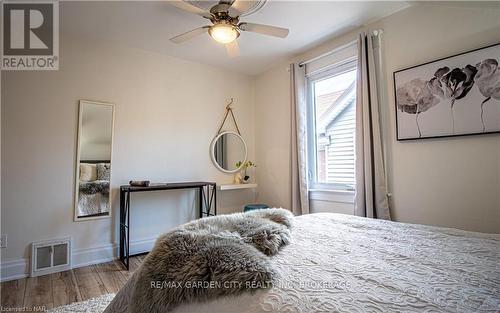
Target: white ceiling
<point>149,25</point>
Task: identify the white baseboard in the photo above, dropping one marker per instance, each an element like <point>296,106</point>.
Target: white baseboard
<point>16,269</point>
<point>142,245</point>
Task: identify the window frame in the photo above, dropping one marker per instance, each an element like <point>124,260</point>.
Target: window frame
<point>328,72</point>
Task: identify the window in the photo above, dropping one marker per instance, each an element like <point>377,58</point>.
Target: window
<point>331,128</point>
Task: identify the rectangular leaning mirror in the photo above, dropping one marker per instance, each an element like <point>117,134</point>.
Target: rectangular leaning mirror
<point>93,162</point>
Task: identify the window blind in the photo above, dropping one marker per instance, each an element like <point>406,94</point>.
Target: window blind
<point>341,150</point>
<point>332,59</point>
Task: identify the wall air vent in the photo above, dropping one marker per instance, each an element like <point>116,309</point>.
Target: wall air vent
<point>50,256</point>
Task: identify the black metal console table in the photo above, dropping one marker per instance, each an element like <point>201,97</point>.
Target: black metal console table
<point>207,193</point>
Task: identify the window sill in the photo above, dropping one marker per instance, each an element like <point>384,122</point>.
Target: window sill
<point>330,195</point>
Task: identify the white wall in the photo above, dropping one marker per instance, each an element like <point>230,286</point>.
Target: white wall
<point>452,182</point>
<point>167,112</point>
<point>273,116</point>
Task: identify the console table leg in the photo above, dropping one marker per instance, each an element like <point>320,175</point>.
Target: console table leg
<point>122,230</point>
<point>128,230</point>
<point>200,196</point>
<point>215,199</point>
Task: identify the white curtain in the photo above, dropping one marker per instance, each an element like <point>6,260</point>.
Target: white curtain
<point>299,188</point>
<point>371,189</point>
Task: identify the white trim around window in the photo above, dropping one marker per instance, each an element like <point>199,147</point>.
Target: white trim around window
<point>324,191</point>
<point>332,195</point>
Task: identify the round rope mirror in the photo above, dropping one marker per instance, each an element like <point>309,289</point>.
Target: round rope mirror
<point>227,149</point>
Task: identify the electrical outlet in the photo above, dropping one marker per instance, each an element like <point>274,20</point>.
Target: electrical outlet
<point>3,241</point>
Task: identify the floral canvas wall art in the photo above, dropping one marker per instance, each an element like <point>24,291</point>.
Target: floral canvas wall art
<point>454,96</point>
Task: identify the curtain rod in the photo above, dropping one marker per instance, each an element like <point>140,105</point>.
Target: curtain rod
<point>375,32</point>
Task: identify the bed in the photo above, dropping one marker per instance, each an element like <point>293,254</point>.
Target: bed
<point>93,197</point>
<point>342,263</point>
<point>93,188</point>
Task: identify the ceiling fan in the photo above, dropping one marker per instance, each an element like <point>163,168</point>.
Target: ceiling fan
<point>226,26</point>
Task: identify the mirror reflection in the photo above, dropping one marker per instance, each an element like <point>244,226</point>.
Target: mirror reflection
<point>95,140</point>
<point>229,149</point>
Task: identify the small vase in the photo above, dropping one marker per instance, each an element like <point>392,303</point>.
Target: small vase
<point>237,178</point>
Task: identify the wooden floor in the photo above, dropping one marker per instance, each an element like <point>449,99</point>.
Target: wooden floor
<point>63,288</point>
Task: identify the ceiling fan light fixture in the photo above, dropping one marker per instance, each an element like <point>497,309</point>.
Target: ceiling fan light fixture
<point>224,33</point>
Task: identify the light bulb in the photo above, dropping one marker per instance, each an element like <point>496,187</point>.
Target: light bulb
<point>223,33</point>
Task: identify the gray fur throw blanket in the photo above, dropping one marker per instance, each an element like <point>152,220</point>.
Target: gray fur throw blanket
<point>94,187</point>
<point>208,258</point>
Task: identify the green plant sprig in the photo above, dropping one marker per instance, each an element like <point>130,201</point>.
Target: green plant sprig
<point>245,165</point>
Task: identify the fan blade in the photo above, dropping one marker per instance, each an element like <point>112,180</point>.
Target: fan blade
<point>233,49</point>
<point>239,7</point>
<point>190,8</point>
<point>190,34</point>
<point>264,29</point>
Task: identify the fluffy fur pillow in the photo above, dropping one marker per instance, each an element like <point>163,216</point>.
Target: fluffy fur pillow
<point>88,172</point>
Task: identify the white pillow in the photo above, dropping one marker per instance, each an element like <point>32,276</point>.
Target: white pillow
<point>88,172</point>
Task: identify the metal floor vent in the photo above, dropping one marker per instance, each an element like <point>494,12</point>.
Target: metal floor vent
<point>50,256</point>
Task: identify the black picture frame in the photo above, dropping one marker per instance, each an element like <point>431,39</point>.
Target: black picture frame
<point>395,87</point>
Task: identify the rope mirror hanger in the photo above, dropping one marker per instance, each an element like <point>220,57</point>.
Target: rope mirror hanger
<point>218,156</point>
<point>229,110</point>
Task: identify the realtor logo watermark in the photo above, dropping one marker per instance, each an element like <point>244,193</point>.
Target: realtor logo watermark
<point>30,35</point>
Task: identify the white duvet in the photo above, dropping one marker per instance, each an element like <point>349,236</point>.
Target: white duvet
<point>341,263</point>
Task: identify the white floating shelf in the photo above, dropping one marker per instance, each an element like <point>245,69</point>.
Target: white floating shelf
<point>237,186</point>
